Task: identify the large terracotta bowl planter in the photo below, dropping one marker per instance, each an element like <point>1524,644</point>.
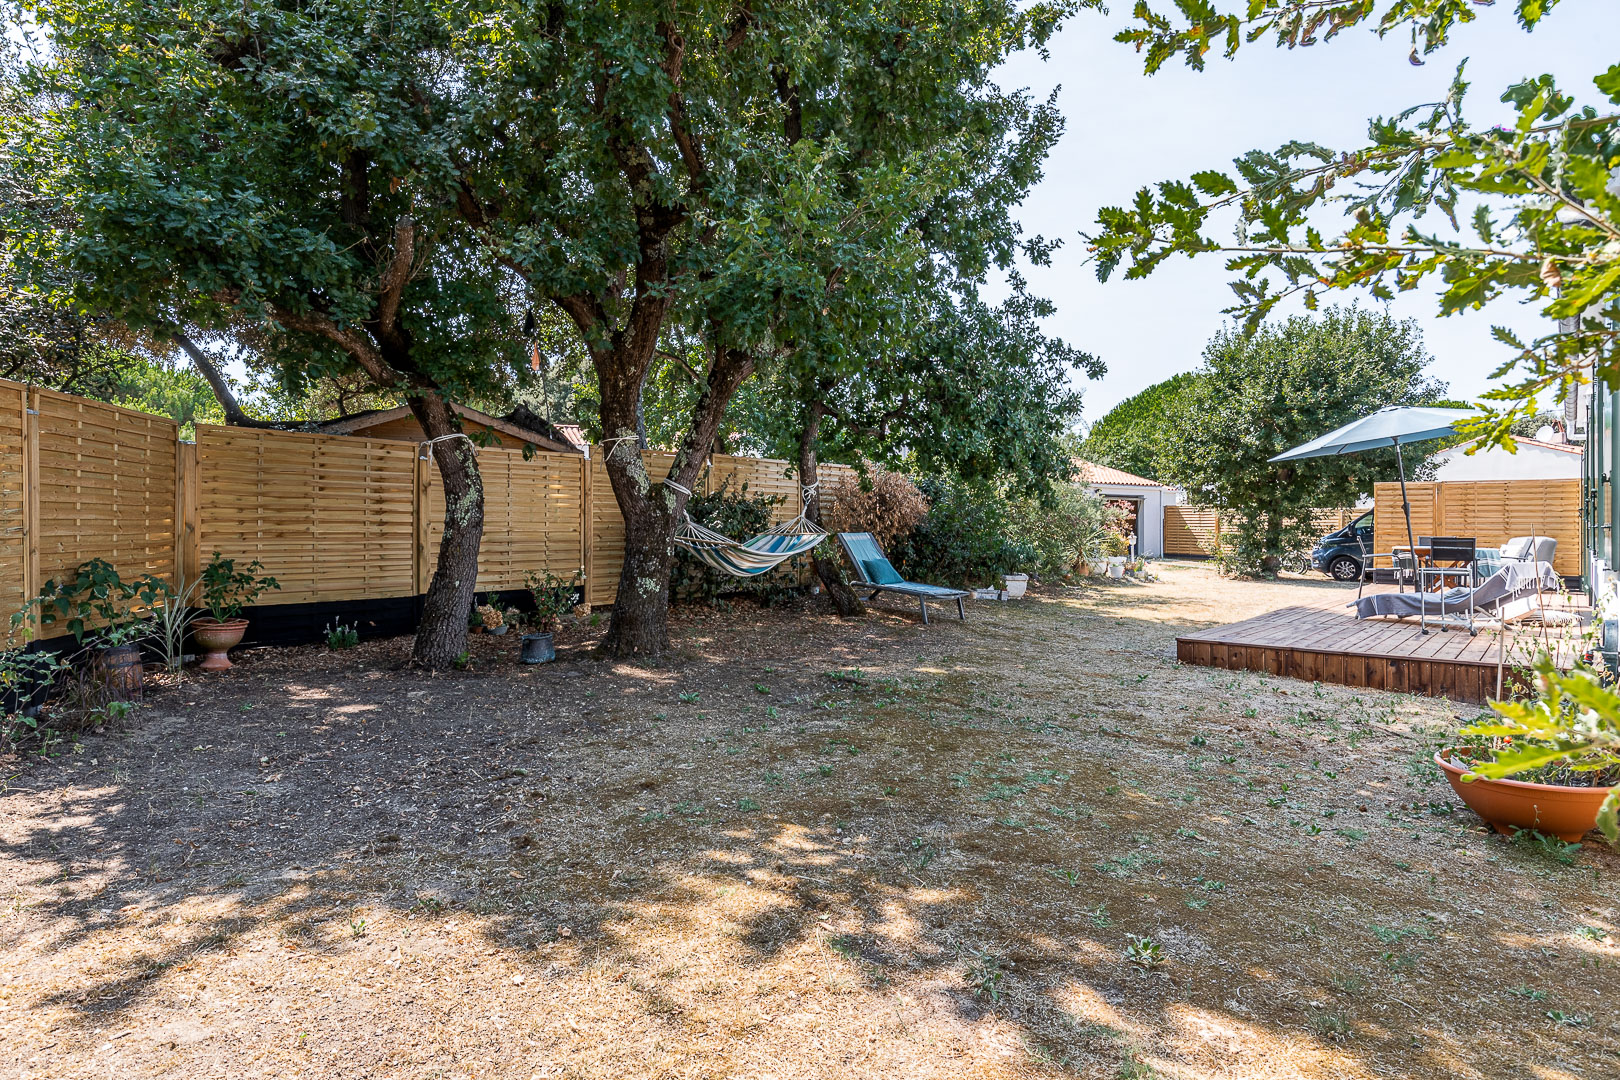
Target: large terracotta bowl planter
<point>215,639</point>
<point>1568,813</point>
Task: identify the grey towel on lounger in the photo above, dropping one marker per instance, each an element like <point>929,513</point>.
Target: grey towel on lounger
<point>1513,580</point>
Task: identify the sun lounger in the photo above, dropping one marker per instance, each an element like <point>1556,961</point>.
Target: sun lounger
<point>870,564</point>
<point>1515,581</point>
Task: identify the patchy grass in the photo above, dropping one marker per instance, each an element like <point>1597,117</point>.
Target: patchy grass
<point>1030,845</point>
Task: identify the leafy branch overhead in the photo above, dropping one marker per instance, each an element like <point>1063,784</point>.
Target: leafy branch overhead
<point>1530,209</point>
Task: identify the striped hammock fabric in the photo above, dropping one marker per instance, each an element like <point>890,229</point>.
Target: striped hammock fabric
<point>753,556</point>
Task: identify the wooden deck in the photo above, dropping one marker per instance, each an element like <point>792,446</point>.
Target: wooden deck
<point>1323,641</point>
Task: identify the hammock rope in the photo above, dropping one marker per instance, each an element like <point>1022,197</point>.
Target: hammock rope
<point>757,554</point>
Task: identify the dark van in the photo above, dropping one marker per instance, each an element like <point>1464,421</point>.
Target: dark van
<point>1339,554</point>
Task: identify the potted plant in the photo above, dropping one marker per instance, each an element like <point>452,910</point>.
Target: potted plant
<point>1563,748</point>
<point>113,614</point>
<point>225,592</point>
<point>491,618</point>
<point>553,596</point>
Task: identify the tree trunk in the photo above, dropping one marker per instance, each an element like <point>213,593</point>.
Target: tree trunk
<point>640,625</point>
<point>441,636</point>
<point>843,598</point>
<point>652,509</point>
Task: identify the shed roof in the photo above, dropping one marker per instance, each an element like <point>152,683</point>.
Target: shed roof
<point>1092,473</point>
<point>520,423</point>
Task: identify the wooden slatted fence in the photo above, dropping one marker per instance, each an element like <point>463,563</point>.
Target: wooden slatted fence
<point>1195,531</point>
<point>332,517</point>
<point>1491,511</point>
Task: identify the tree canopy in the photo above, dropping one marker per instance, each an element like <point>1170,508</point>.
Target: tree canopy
<point>390,192</point>
<point>289,171</point>
<point>1264,392</point>
<point>1135,434</point>
<point>1541,204</point>
<point>747,188</point>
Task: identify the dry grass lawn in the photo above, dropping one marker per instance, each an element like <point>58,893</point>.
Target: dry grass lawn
<point>1031,845</point>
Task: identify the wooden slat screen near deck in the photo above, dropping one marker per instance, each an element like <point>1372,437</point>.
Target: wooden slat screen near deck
<point>1491,511</point>
<point>1196,530</point>
<point>1191,530</point>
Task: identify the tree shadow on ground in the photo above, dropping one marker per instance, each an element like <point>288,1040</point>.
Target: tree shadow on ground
<point>892,845</point>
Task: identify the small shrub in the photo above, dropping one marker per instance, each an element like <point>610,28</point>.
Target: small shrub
<point>25,676</point>
<point>1144,952</point>
<point>885,504</point>
<point>966,539</point>
<point>984,974</point>
<point>1070,526</point>
<point>341,636</point>
<point>553,597</point>
<point>227,590</point>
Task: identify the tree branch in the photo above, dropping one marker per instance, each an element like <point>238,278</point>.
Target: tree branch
<point>351,341</point>
<point>396,274</point>
<point>234,416</point>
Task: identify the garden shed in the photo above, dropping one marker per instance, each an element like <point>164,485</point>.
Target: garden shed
<point>1146,498</point>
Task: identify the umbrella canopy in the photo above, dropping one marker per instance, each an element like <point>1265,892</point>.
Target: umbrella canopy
<point>1396,425</point>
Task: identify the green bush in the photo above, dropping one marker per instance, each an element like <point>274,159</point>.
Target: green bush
<point>1073,525</point>
<point>967,539</point>
<point>739,515</point>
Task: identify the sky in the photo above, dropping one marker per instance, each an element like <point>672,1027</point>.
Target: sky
<point>1126,130</point>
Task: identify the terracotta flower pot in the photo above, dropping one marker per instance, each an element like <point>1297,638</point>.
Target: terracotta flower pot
<point>215,638</point>
<point>1568,813</point>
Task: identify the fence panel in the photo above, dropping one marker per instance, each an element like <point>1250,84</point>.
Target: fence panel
<point>16,430</point>
<point>332,517</point>
<point>831,477</point>
<point>1191,530</point>
<point>764,477</point>
<point>105,487</point>
<point>531,517</point>
<point>1490,511</point>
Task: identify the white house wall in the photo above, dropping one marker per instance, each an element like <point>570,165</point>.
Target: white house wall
<point>1530,463</point>
<point>1150,518</point>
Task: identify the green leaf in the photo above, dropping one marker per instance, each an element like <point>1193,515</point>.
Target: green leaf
<point>1609,83</point>
<point>1608,819</point>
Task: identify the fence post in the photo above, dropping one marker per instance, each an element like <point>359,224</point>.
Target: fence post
<point>586,516</point>
<point>420,511</point>
<point>30,491</point>
<point>187,528</point>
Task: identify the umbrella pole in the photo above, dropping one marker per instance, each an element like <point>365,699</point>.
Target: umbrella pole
<point>1406,508</point>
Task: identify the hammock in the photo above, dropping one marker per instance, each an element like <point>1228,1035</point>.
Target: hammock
<point>754,555</point>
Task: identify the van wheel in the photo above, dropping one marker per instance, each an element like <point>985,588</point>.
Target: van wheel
<point>1344,568</point>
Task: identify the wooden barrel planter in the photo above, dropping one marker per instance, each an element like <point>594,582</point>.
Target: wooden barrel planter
<point>118,669</point>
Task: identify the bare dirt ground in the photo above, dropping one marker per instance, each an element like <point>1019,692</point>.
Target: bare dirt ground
<point>805,848</point>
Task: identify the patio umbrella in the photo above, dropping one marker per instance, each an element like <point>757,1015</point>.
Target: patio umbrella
<point>1395,425</point>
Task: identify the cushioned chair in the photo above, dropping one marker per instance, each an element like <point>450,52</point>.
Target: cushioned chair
<point>1530,549</point>
<point>872,571</point>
